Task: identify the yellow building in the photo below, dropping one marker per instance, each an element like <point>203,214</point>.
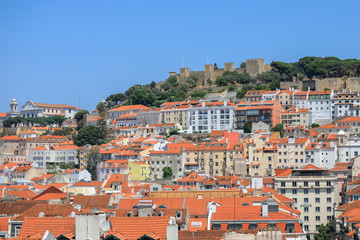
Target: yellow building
<point>139,171</point>
<point>174,114</point>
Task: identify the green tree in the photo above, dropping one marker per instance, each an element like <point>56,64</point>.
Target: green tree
<point>216,66</point>
<point>173,132</point>
<point>102,111</point>
<point>62,132</point>
<point>315,125</point>
<point>192,80</point>
<point>247,128</point>
<point>209,82</point>
<point>167,173</point>
<point>221,81</point>
<point>198,95</point>
<point>279,128</point>
<point>231,87</point>
<point>79,117</point>
<point>93,158</point>
<point>326,231</point>
<point>89,135</point>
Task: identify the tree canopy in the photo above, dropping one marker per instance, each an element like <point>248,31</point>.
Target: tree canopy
<point>167,173</point>
<point>89,135</point>
<point>92,157</point>
<point>41,121</point>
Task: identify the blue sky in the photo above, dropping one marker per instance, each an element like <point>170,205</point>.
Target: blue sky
<point>48,49</point>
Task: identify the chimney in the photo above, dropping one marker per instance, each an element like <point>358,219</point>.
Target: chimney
<point>264,210</point>
<point>225,103</point>
<point>203,103</point>
<point>172,230</point>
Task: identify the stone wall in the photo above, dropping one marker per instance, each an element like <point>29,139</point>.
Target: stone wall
<point>253,67</point>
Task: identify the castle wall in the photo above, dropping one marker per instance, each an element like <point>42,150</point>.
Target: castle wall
<point>287,85</point>
<point>255,66</point>
<point>352,83</point>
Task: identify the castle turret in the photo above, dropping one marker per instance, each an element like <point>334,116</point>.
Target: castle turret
<point>208,72</point>
<point>184,74</point>
<point>229,66</point>
<point>255,66</point>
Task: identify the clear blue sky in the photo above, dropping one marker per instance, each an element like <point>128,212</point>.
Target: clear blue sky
<point>50,48</point>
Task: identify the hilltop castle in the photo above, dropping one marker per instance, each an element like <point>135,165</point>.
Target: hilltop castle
<point>252,66</point>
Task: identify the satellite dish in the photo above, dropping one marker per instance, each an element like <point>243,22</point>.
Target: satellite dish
<point>154,206</point>
<point>105,226</point>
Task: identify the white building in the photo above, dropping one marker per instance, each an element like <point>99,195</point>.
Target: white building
<point>31,109</point>
<point>269,95</point>
<point>208,116</point>
<point>320,106</point>
<point>56,154</point>
<point>315,192</point>
<point>349,149</point>
<point>321,154</point>
<point>301,99</point>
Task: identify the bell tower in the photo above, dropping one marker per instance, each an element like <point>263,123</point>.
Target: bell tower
<point>13,106</point>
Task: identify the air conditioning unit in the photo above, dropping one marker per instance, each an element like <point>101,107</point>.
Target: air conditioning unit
<point>312,186</point>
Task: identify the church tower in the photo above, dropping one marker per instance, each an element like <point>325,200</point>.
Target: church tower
<point>13,106</point>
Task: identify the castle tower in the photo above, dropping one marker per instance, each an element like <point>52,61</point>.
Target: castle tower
<point>184,74</point>
<point>209,72</point>
<point>255,66</point>
<point>229,66</point>
<point>13,106</point>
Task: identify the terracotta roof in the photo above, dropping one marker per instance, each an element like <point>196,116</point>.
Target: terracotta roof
<point>47,105</point>
<point>283,172</point>
<point>24,194</point>
<point>134,228</point>
<point>310,167</point>
<point>130,107</point>
<point>326,126</point>
<point>90,202</point>
<point>3,115</point>
<point>4,224</point>
<point>294,110</point>
<point>193,177</point>
<point>38,225</point>
<point>88,184</point>
<point>355,191</point>
<point>13,137</point>
<point>49,210</point>
<point>349,119</point>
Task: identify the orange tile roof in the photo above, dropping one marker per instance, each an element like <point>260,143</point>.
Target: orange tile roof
<point>9,165</point>
<point>88,184</point>
<point>129,107</point>
<point>294,110</point>
<point>310,167</point>
<point>38,225</point>
<point>3,115</point>
<point>4,224</point>
<point>49,210</point>
<point>90,202</point>
<point>283,172</point>
<point>326,92</point>
<point>136,227</point>
<point>326,126</point>
<point>24,194</point>
<point>40,148</point>
<point>350,119</point>
<point>50,196</point>
<point>193,177</point>
<point>54,105</point>
<point>13,137</point>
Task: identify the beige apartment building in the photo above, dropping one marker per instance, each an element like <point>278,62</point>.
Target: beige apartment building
<point>291,152</point>
<point>294,116</point>
<point>315,192</point>
<point>174,114</point>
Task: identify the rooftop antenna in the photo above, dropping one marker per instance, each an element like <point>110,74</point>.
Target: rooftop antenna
<point>207,58</point>
<point>183,61</point>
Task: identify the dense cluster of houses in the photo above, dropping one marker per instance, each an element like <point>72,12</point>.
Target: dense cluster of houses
<point>223,184</point>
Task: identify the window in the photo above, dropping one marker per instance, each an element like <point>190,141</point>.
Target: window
<point>317,183</point>
<point>216,227</point>
<point>306,227</point>
<point>306,218</point>
<point>294,184</point>
<point>317,218</point>
<point>317,191</point>
<point>328,190</point>
<point>306,200</point>
<point>295,200</point>
<point>306,191</point>
<point>282,184</point>
<point>328,183</point>
<point>328,200</point>
<point>306,183</point>
<point>294,191</point>
<point>317,200</point>
<point>329,218</point>
<point>306,209</point>
<point>283,191</point>
<point>317,209</point>
<point>328,209</point>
